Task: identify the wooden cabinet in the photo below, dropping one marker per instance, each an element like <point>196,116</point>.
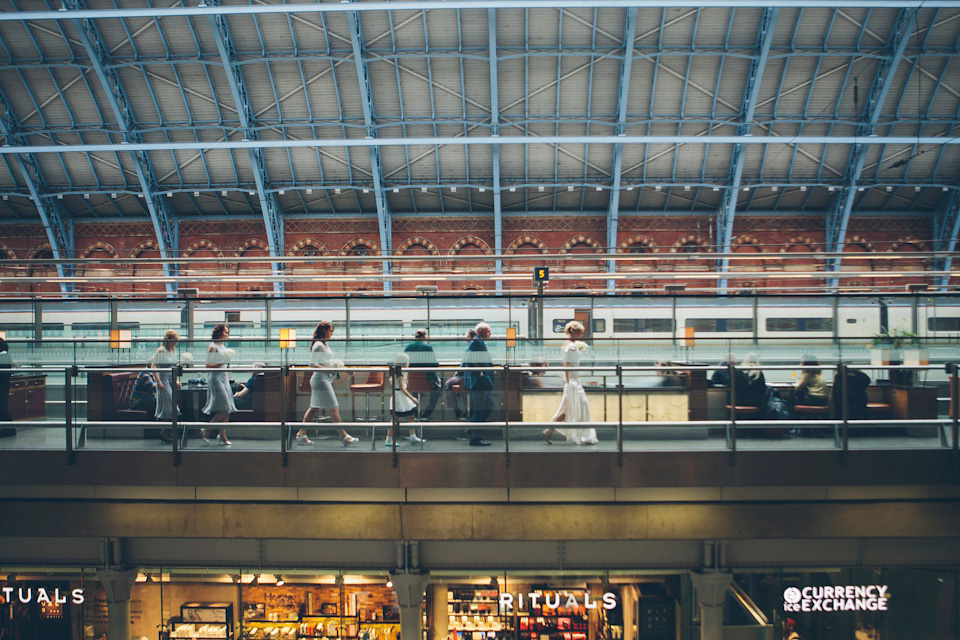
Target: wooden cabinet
<point>28,397</point>
<point>918,403</point>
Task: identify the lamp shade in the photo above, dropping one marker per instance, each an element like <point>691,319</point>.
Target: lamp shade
<point>120,338</point>
<point>287,339</point>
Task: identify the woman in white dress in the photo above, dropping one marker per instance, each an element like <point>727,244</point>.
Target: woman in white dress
<point>574,407</point>
<point>322,395</point>
<point>164,358</point>
<point>219,394</point>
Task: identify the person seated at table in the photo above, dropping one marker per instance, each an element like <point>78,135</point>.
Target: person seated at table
<point>751,385</point>
<point>534,378</point>
<point>144,395</point>
<point>810,390</point>
<point>244,397</point>
<point>721,377</point>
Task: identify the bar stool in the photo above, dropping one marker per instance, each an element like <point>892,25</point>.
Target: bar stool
<point>372,385</point>
<point>814,412</point>
<point>878,410</point>
<point>418,385</point>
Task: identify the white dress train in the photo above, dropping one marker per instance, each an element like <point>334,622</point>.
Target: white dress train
<point>574,405</point>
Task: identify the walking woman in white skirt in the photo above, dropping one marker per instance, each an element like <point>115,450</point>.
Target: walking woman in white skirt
<point>322,395</point>
<point>574,407</point>
<point>219,394</point>
<point>163,359</point>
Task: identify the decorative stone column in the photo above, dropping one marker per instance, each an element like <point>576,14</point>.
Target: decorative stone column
<point>410,588</point>
<point>118,584</point>
<point>711,592</point>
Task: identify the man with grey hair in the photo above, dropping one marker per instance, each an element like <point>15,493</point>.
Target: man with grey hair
<point>479,383</point>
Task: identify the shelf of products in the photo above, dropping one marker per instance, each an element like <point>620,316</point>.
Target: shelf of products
<point>552,619</point>
<point>203,621</point>
<point>474,614</point>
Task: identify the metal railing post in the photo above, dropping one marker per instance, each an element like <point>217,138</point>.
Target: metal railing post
<point>731,371</point>
<point>619,415</point>
<point>175,373</point>
<point>954,407</point>
<point>68,374</point>
<point>505,407</point>
<point>395,373</point>
<point>284,452</point>
<point>844,410</point>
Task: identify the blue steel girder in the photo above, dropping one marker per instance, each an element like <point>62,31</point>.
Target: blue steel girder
<point>839,217</point>
<point>58,225</point>
<point>751,91</point>
<point>946,226</point>
<point>269,203</point>
<point>163,217</point>
<point>495,130</point>
<point>623,96</point>
<point>366,94</point>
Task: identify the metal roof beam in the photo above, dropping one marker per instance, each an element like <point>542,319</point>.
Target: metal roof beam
<point>495,131</point>
<point>321,143</point>
<point>839,218</point>
<point>946,226</point>
<point>384,221</point>
<point>269,203</point>
<point>623,96</point>
<point>57,224</point>
<point>74,13</point>
<point>728,211</point>
<point>163,217</point>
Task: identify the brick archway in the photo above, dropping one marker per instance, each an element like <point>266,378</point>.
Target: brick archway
<point>310,242</point>
<point>252,242</point>
<point>417,240</point>
<point>909,240</point>
<point>687,241</point>
<point>569,244</point>
<point>100,246</point>
<point>526,240</point>
<point>806,241</point>
<point>140,248</point>
<point>203,244</point>
<point>637,239</point>
<point>462,242</point>
<point>357,242</point>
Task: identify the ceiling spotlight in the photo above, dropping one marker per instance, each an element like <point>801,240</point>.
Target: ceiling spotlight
<point>483,189</point>
<point>686,187</point>
<point>337,190</point>
<point>569,187</point>
<point>774,188</point>
<point>395,190</point>
<point>309,192</point>
<point>368,191</point>
<point>280,192</point>
<point>513,189</point>
<point>169,194</point>
<point>803,188</point>
<point>453,189</point>
<point>945,189</point>
<point>280,580</point>
<point>60,195</point>
<point>599,188</point>
<point>831,189</point>
<point>113,195</point>
<point>252,193</point>
<point>716,188</point>
<point>389,584</point>
<point>889,188</point>
<point>657,188</point>
<point>224,193</point>
<point>196,194</point>
<point>917,189</point>
<point>423,189</point>
<point>630,188</point>
<point>861,189</point>
<point>540,188</point>
<point>746,188</point>
<point>86,196</point>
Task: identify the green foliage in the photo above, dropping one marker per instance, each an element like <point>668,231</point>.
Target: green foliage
<point>895,339</point>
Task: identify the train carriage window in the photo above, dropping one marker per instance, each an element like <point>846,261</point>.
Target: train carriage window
<point>599,325</point>
<point>642,325</point>
<point>720,325</point>
<point>943,324</point>
<point>799,324</point>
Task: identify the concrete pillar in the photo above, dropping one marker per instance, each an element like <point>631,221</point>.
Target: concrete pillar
<point>628,604</point>
<point>117,583</point>
<point>410,588</point>
<point>437,617</point>
<point>711,592</point>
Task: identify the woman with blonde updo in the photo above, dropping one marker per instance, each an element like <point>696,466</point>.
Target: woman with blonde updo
<point>574,407</point>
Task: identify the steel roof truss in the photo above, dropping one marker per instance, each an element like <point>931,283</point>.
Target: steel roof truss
<point>495,131</point>
<point>946,226</point>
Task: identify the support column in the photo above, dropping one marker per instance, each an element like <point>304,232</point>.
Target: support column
<point>437,618</point>
<point>118,584</point>
<point>711,592</point>
<point>628,603</point>
<point>410,588</point>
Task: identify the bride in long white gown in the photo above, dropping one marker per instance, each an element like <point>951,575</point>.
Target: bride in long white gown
<point>574,407</point>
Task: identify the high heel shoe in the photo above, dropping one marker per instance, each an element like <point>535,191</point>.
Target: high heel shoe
<point>223,441</point>
<point>348,440</point>
<point>303,440</point>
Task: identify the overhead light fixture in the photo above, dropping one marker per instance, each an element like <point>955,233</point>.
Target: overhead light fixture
<point>513,189</point>
<point>337,190</point>
<point>540,188</point>
<point>453,189</point>
<point>861,189</point>
<point>196,194</point>
<point>280,192</point>
<point>113,195</point>
<point>423,189</point>
<point>483,189</point>
<point>366,190</point>
<point>657,188</point>
<point>889,188</point>
<point>945,189</point>
<point>86,196</point>
<point>599,188</point>
<point>917,189</point>
<point>686,187</point>
<point>395,190</point>
<point>252,193</point>
<point>774,188</point>
<point>803,188</point>
<point>831,189</point>
<point>169,194</point>
<point>60,195</point>
<point>309,192</point>
<point>716,188</point>
<point>280,581</point>
<point>630,188</point>
<point>569,187</point>
<point>224,193</point>
<point>746,188</point>
<point>389,584</point>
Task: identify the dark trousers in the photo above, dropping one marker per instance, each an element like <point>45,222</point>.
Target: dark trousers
<point>453,398</point>
<point>431,404</point>
<point>481,406</point>
<point>5,397</point>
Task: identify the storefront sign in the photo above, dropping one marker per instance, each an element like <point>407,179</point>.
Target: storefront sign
<point>26,595</point>
<point>871,597</point>
<point>556,600</point>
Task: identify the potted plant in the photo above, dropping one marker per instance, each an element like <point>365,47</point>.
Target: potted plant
<point>898,346</point>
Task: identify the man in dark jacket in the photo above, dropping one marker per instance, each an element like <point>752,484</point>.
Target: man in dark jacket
<point>422,355</point>
<point>479,383</point>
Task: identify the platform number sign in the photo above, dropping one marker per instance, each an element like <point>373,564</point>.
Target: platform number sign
<point>541,274</point>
